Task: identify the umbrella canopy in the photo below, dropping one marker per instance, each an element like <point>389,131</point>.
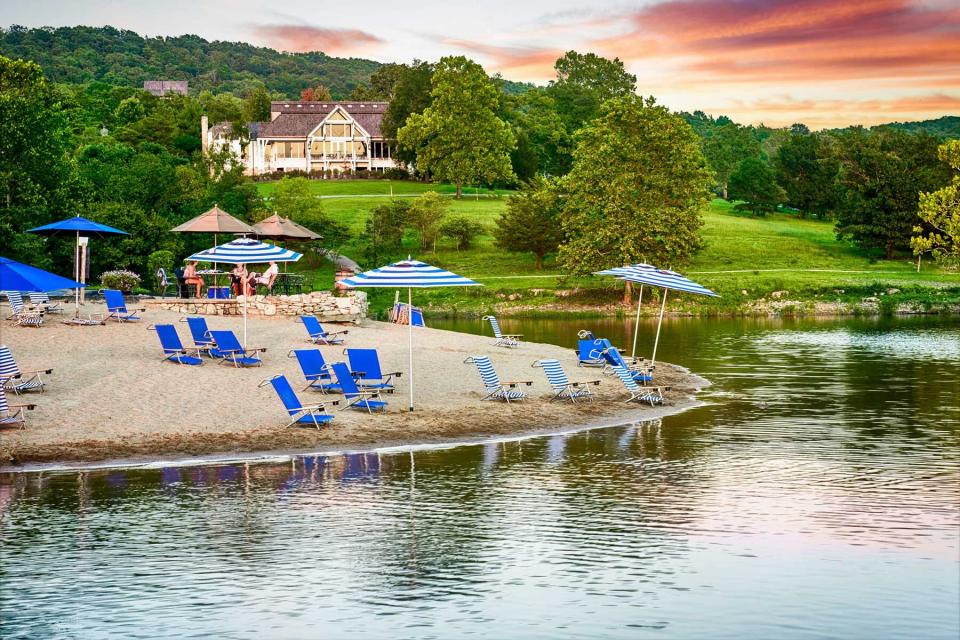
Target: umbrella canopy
<point>16,276</point>
<point>412,275</point>
<point>643,273</point>
<point>246,251</point>
<point>283,229</point>
<point>309,233</point>
<point>216,220</point>
<point>76,226</point>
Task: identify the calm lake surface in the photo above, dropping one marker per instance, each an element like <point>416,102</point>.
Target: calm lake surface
<point>815,496</point>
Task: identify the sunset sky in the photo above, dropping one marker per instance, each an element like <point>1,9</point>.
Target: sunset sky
<point>814,61</point>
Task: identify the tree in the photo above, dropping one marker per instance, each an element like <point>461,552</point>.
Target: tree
<point>462,230</point>
<point>425,215</point>
<point>531,221</point>
<point>808,173</point>
<point>584,82</point>
<point>256,106</point>
<point>881,173</point>
<point>939,232</point>
<point>646,205</point>
<point>383,232</point>
<point>318,93</point>
<point>459,137</point>
<point>542,130</point>
<point>725,147</point>
<point>755,183</point>
<point>410,94</point>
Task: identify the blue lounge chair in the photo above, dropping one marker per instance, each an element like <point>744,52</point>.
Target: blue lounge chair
<point>200,334</point>
<point>301,415</point>
<point>503,339</point>
<point>13,379</point>
<point>173,349</point>
<point>13,415</point>
<point>315,370</point>
<point>497,390</point>
<point>355,397</point>
<point>365,368</point>
<point>22,314</point>
<point>653,395</point>
<point>614,359</point>
<point>416,318</point>
<point>42,301</point>
<point>229,348</point>
<point>318,335</point>
<point>562,387</point>
<point>117,307</point>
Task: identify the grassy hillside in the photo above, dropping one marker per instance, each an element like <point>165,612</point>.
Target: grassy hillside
<point>745,259</point>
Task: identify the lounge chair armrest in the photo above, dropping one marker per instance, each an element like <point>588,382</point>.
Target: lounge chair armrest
<point>366,393</point>
<point>584,383</point>
<point>337,333</point>
<point>29,407</point>
<point>318,407</point>
<point>358,374</point>
<point>512,335</point>
<point>393,374</point>
<point>256,349</point>
<point>514,383</point>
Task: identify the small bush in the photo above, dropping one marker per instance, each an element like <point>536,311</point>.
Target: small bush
<point>461,230</point>
<point>123,280</point>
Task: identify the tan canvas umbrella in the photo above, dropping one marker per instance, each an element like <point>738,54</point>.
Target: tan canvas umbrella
<point>282,228</point>
<point>215,221</point>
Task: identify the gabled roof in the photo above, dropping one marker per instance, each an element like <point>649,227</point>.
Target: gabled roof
<point>297,118</point>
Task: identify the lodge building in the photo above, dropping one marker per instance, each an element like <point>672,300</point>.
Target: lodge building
<point>310,136</point>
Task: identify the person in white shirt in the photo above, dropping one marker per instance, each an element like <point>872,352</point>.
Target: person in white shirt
<point>269,276</point>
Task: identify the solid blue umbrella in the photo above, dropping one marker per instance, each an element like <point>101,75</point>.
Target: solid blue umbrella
<point>76,226</point>
<point>411,274</point>
<point>650,275</point>
<point>16,276</point>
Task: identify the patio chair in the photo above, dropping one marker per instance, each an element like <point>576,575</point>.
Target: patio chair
<point>562,387</point>
<point>503,339</point>
<point>356,398</point>
<point>173,349</point>
<point>590,349</point>
<point>117,307</point>
<point>494,387</point>
<point>13,415</point>
<point>365,367</point>
<point>614,359</point>
<point>41,300</point>
<point>301,415</point>
<point>315,370</point>
<point>23,315</point>
<point>653,395</point>
<point>13,379</point>
<point>200,334</point>
<point>318,335</point>
<point>229,348</point>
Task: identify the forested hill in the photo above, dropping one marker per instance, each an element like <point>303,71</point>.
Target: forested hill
<point>945,127</point>
<point>78,55</point>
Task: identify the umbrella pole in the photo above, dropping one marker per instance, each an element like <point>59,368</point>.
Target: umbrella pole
<point>636,325</point>
<point>410,339</point>
<point>656,340</point>
<point>245,296</point>
<point>76,273</point>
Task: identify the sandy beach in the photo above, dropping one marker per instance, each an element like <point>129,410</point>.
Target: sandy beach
<point>111,395</point>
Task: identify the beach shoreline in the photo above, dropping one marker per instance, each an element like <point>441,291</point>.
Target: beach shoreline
<point>112,401</point>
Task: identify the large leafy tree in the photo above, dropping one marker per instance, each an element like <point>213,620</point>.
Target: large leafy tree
<point>725,147</point>
<point>410,94</point>
<point>459,137</point>
<point>584,82</point>
<point>881,173</point>
<point>531,222</point>
<point>256,106</point>
<point>807,172</point>
<point>644,206</point>
<point>755,183</point>
<point>939,232</point>
<point>537,122</point>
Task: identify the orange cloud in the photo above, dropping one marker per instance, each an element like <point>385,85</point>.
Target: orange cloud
<point>528,63</point>
<point>304,38</point>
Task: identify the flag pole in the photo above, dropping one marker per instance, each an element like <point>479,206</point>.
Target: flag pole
<point>656,340</point>
<point>410,338</point>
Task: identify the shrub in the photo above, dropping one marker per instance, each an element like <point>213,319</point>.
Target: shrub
<point>123,280</point>
<point>461,230</point>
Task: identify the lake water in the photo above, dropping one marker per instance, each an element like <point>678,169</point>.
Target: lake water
<point>815,496</point>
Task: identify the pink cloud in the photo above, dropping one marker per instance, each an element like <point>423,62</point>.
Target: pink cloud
<point>529,63</point>
<point>304,38</point>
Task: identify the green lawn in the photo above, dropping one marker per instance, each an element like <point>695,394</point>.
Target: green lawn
<point>337,188</point>
<point>742,254</point>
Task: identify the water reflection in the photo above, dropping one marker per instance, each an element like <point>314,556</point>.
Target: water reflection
<point>815,495</point>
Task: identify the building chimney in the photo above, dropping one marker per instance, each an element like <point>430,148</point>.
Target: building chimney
<point>204,126</point>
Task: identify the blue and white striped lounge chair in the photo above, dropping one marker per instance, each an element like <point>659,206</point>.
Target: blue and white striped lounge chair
<point>42,301</point>
<point>173,349</point>
<point>365,367</point>
<point>503,339</point>
<point>13,415</point>
<point>301,415</point>
<point>200,333</point>
<point>356,398</point>
<point>230,349</point>
<point>562,387</point>
<point>117,307</point>
<point>13,379</point>
<point>653,395</point>
<point>315,371</point>
<point>494,387</point>
<point>615,359</point>
<point>318,335</point>
<point>23,315</point>
<point>590,350</point>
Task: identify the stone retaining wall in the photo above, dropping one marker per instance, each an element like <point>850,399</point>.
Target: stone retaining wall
<point>323,304</point>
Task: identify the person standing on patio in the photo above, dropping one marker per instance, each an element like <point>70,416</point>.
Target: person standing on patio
<point>191,277</point>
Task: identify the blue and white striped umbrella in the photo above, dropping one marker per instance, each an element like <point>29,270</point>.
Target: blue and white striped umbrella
<point>648,274</point>
<point>410,274</point>
<point>245,251</point>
